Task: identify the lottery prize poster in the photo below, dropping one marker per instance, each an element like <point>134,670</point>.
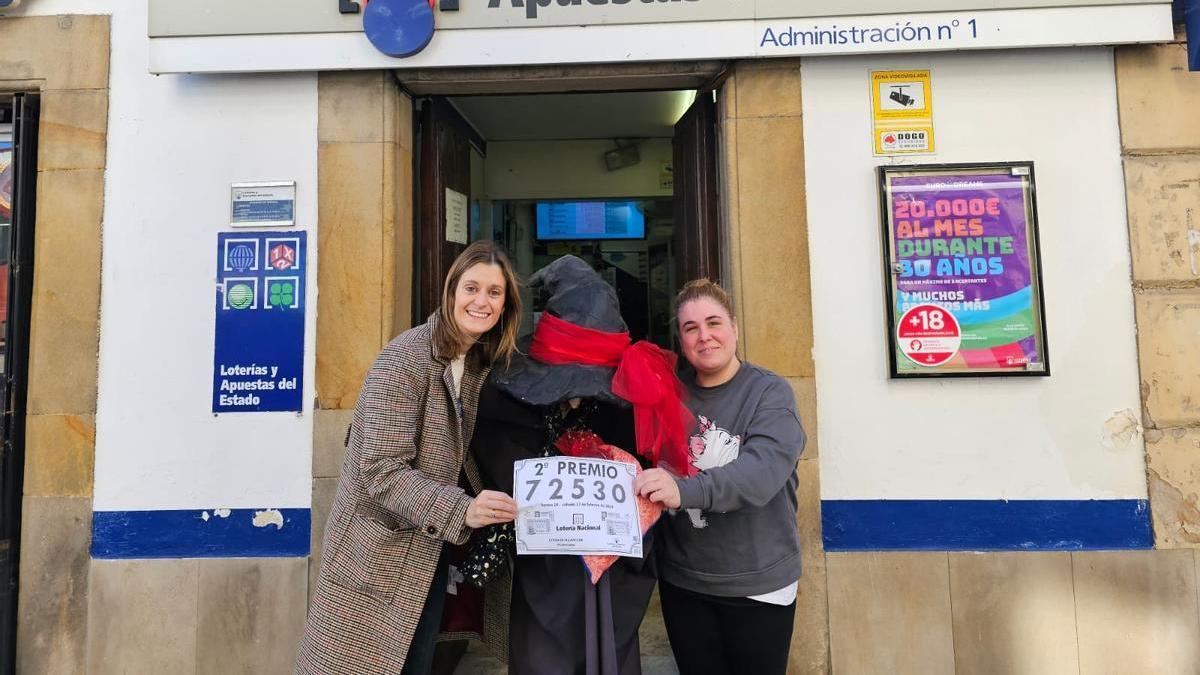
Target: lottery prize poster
<point>964,291</point>
<point>258,360</point>
<point>576,506</point>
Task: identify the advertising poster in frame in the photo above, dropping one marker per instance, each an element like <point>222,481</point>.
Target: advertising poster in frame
<point>962,270</point>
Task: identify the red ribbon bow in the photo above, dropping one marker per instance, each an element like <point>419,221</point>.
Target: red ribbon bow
<point>645,377</point>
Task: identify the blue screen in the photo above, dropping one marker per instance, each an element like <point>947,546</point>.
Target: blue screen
<point>590,220</point>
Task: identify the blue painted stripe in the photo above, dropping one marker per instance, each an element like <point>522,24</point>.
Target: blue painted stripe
<point>986,525</point>
<point>196,533</point>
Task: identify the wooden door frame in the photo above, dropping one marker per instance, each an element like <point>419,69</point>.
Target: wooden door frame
<point>706,77</point>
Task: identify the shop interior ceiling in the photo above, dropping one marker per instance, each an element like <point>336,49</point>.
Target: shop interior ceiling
<point>638,114</point>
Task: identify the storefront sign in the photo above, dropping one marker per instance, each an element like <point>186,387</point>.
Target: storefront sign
<point>304,35</point>
<point>171,18</point>
<point>258,358</point>
<point>576,506</point>
<point>263,204</point>
<point>902,110</point>
<point>961,254</point>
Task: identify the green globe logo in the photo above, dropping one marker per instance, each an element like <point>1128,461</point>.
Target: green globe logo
<point>240,296</point>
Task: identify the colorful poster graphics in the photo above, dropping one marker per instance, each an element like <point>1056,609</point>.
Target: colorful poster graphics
<point>258,360</point>
<point>6,179</point>
<point>962,261</point>
<point>902,112</point>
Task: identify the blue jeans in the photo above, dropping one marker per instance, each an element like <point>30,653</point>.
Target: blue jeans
<point>420,652</point>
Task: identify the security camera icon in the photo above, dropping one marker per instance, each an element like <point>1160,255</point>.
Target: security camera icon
<point>897,94</point>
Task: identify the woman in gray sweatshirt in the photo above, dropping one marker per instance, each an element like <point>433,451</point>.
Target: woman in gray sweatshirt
<point>729,558</point>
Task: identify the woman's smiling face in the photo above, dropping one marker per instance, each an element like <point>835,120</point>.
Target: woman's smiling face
<point>709,338</point>
<point>479,299</point>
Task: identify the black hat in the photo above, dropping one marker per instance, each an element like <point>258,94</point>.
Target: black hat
<point>579,296</point>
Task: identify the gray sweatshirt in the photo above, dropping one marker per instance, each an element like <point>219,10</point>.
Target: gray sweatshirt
<point>735,534</point>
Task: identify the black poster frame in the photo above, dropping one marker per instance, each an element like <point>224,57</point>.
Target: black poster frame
<point>891,269</point>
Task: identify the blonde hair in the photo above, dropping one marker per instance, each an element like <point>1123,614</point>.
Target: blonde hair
<point>704,288</point>
<point>501,341</point>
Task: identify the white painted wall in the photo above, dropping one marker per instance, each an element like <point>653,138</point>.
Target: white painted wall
<point>175,143</point>
<point>1020,438</point>
<point>559,169</point>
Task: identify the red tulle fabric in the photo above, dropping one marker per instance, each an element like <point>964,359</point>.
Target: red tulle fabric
<point>645,377</point>
<point>559,342</point>
<point>588,444</point>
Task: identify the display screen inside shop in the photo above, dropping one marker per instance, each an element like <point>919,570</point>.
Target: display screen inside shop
<point>964,292</point>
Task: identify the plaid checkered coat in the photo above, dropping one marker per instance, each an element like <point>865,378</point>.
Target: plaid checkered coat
<point>397,501</point>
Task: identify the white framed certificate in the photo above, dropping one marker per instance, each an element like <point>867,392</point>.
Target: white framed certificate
<point>574,506</point>
<point>266,204</point>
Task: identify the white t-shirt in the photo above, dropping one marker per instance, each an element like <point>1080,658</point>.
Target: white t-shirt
<point>456,372</point>
<point>784,596</point>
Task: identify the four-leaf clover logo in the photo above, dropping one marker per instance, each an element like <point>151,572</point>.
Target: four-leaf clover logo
<point>282,294</point>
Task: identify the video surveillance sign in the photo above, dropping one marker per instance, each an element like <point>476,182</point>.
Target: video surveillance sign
<point>902,103</point>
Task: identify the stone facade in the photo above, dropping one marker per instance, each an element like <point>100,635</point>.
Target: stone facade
<point>936,612</point>
<point>1160,140</point>
<point>65,58</point>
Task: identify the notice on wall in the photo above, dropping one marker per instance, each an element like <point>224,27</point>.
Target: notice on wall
<point>457,217</point>
<point>258,359</point>
<point>902,112</point>
<point>666,176</point>
<point>576,506</point>
<point>962,256</point>
<point>270,204</point>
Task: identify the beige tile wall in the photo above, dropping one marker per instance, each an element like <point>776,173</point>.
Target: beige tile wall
<point>1160,138</point>
<point>1089,613</point>
<point>1136,612</point>
<point>66,58</point>
<point>890,612</point>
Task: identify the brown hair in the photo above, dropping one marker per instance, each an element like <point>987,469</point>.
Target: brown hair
<point>501,341</point>
<point>705,288</point>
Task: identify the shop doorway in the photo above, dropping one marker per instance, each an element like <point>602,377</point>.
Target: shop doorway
<point>18,186</point>
<point>626,181</point>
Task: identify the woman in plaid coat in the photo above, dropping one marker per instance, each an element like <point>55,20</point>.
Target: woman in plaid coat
<point>401,497</point>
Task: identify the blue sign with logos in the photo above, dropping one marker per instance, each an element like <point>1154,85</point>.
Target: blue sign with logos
<point>258,360</point>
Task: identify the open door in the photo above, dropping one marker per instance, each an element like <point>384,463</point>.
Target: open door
<point>18,186</point>
<point>445,173</point>
<point>696,242</point>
